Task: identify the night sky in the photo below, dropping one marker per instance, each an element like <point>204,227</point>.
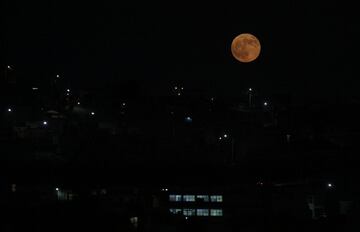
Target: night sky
<point>308,49</point>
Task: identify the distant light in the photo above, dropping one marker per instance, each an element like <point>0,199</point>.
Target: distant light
<point>265,103</point>
<point>9,67</point>
<point>179,94</point>
<point>58,76</point>
<point>250,89</point>
<point>188,119</point>
<point>92,113</point>
<point>67,94</point>
<point>225,135</point>
<point>330,185</point>
<point>78,103</point>
<point>172,112</point>
<point>220,138</point>
<point>57,189</point>
<point>9,110</point>
<point>124,104</point>
<point>68,90</point>
<point>35,88</point>
<point>182,88</point>
<point>212,99</point>
<point>175,87</point>
<point>45,123</point>
<point>186,218</point>
<point>166,190</point>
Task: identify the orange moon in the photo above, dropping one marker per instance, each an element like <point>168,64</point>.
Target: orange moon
<point>245,48</point>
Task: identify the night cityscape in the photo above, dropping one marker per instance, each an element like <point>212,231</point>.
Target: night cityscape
<point>162,117</point>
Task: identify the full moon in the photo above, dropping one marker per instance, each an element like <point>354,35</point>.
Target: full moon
<point>245,48</point>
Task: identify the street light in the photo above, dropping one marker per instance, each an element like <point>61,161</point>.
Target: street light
<point>9,110</point>
<point>92,113</point>
<point>250,97</point>
<point>45,123</point>
<point>225,137</point>
<point>57,189</point>
<point>265,103</point>
<point>68,90</point>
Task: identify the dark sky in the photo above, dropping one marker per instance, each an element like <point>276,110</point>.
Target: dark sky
<point>308,48</point>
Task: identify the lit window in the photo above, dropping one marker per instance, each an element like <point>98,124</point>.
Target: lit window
<point>175,211</point>
<point>216,212</point>
<point>202,212</point>
<point>204,198</point>
<point>174,197</point>
<point>189,212</point>
<point>216,198</point>
<point>13,188</point>
<point>189,198</point>
<point>134,221</point>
